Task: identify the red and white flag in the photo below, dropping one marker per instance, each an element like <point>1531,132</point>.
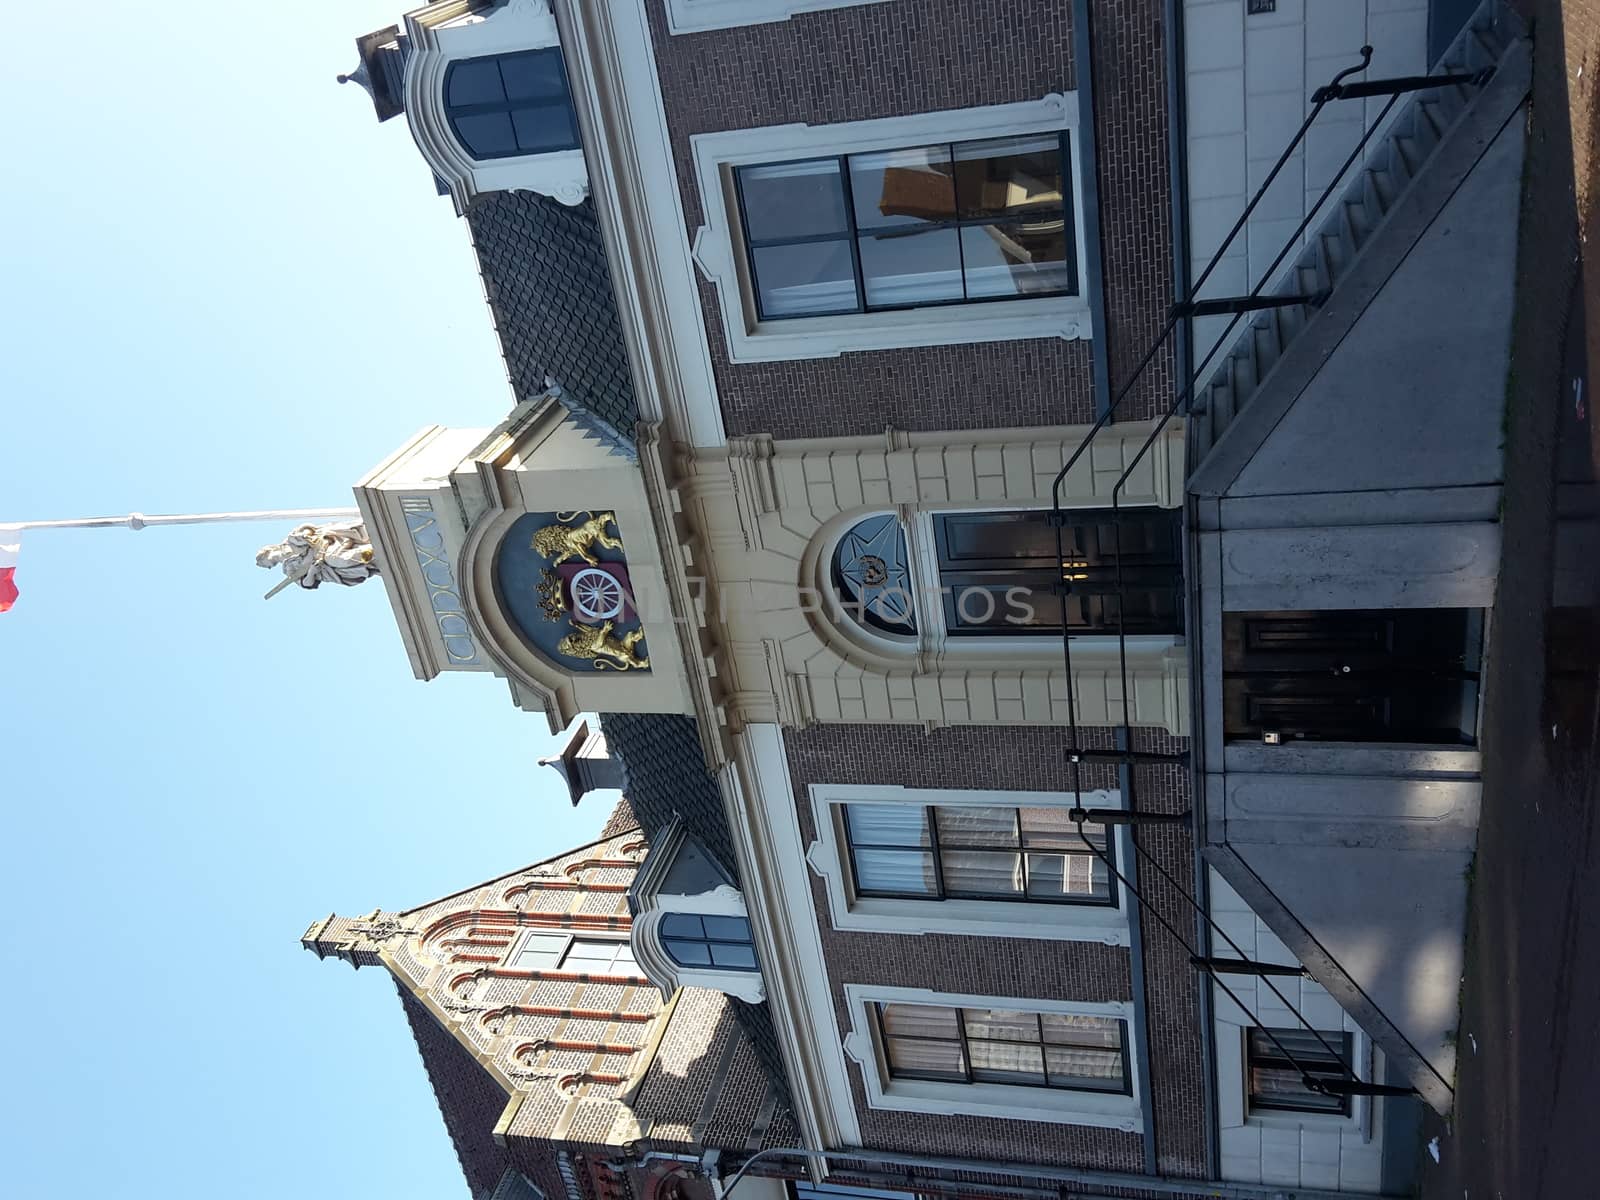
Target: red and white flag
<point>8,574</point>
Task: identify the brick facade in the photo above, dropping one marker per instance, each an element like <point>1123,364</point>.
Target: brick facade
<point>1022,759</point>
<point>916,56</point>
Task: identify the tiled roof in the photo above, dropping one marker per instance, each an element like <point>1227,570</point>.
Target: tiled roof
<point>665,778</point>
<point>469,1098</point>
<point>549,288</point>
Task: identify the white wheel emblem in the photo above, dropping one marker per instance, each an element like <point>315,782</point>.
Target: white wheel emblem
<point>596,596</point>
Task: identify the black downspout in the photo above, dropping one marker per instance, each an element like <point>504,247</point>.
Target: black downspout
<point>1089,166</point>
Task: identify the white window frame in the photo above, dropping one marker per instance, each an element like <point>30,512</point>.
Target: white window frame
<point>932,639</point>
<point>828,857</point>
<point>572,936</point>
<point>1058,1106</point>
<point>720,253</point>
<point>1233,1075</point>
<point>444,33</point>
<point>691,16</point>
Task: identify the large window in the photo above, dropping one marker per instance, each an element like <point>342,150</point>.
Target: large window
<point>702,940</point>
<point>967,852</point>
<point>540,951</point>
<point>1277,1076</point>
<point>984,1045</point>
<point>510,104</point>
<point>998,572</point>
<point>952,223</point>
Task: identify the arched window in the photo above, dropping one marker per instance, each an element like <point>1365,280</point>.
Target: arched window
<point>510,104</point>
<point>695,940</point>
<point>872,574</point>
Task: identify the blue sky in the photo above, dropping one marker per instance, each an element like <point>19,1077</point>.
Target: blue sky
<point>224,286</point>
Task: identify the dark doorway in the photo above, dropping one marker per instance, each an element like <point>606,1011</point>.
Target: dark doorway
<point>1365,675</point>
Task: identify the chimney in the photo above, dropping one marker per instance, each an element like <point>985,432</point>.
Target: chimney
<point>584,763</point>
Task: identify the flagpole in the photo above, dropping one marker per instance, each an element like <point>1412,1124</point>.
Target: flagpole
<point>141,521</point>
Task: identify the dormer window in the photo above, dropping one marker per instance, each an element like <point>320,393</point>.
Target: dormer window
<point>709,941</point>
<point>505,105</point>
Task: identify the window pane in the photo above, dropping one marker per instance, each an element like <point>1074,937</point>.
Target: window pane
<point>474,81</point>
<point>920,1020</point>
<point>533,76</point>
<point>887,824</point>
<point>539,952</point>
<point>586,954</point>
<point>902,188</point>
<point>895,872</point>
<point>1070,1029</point>
<point>963,826</point>
<point>728,929</point>
<point>1067,876</point>
<point>907,269</point>
<point>734,958</point>
<point>1302,1045</point>
<point>548,127</point>
<point>487,134</point>
<point>808,279</point>
<point>689,954</point>
<point>1009,175</point>
<point>982,872</point>
<point>792,200</point>
<point>1016,258</point>
<point>942,1059</point>
<point>624,963</point>
<point>682,925</point>
<point>1006,1062</point>
<point>1054,829</point>
<point>1084,1068</point>
<point>1001,1025</point>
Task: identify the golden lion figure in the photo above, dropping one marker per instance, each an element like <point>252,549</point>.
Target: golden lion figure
<point>597,642</point>
<point>561,542</point>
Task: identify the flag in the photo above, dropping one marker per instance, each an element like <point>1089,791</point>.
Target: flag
<point>8,572</point>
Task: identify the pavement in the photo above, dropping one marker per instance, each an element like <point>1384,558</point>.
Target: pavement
<point>1528,1086</point>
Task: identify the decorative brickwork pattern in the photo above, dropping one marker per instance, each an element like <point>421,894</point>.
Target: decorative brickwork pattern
<point>917,56</point>
<point>1022,759</point>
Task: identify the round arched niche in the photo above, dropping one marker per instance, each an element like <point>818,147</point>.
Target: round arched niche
<point>561,580</point>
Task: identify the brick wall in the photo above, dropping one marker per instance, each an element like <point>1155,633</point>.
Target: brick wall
<point>1022,758</point>
<point>914,56</point>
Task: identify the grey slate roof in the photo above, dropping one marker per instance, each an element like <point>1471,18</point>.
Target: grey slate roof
<point>469,1098</point>
<point>665,778</point>
<point>549,289</point>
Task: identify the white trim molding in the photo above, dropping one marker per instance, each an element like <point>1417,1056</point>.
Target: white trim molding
<point>758,793</point>
<point>445,32</point>
<point>719,246</point>
<point>651,905</point>
<point>692,16</point>
<point>1056,1105</point>
<point>1107,923</point>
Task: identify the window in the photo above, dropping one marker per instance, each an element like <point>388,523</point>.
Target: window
<point>709,941</point>
<point>561,951</point>
<point>510,104</point>
<point>951,223</point>
<point>1277,1078</point>
<point>998,571</point>
<point>896,231</point>
<point>986,1045</point>
<point>1016,854</point>
<point>873,577</point>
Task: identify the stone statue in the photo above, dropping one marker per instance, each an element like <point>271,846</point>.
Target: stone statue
<point>316,554</point>
<point>598,642</point>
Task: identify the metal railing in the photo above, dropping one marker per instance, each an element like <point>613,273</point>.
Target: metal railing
<point>1317,1078</point>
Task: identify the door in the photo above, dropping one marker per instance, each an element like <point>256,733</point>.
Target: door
<point>1367,675</point>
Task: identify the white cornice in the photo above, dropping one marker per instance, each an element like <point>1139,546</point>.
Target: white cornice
<point>758,796</point>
